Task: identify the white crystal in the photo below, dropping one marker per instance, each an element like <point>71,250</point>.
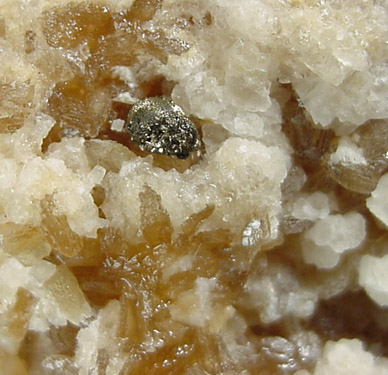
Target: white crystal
<point>348,357</point>
<point>117,125</point>
<point>348,154</point>
<point>126,74</point>
<point>262,168</point>
<point>373,276</point>
<point>195,307</point>
<point>312,207</point>
<point>277,293</point>
<point>331,236</point>
<point>378,201</point>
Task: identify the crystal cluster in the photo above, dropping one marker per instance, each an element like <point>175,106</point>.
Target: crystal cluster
<point>242,230</point>
<point>158,125</point>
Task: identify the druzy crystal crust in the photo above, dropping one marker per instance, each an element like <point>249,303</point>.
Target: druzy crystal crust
<point>124,251</point>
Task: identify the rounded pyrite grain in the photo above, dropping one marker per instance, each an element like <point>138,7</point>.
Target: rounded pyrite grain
<point>159,126</point>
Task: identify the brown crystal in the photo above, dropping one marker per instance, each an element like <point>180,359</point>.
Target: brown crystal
<point>372,138</point>
<point>11,364</point>
<point>64,289</point>
<point>27,244</point>
<point>71,25</point>
<point>80,107</point>
<point>15,323</point>
<point>84,103</point>
<point>308,141</point>
<point>15,105</point>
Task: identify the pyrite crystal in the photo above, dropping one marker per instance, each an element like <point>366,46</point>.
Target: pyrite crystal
<point>160,126</point>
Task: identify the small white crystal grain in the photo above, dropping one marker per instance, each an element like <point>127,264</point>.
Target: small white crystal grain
<point>348,357</point>
<point>378,201</point>
<point>373,276</point>
<point>339,232</point>
<point>348,153</point>
<point>117,125</point>
<point>331,236</point>
<point>313,207</point>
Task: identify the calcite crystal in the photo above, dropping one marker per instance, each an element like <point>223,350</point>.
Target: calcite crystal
<point>245,232</point>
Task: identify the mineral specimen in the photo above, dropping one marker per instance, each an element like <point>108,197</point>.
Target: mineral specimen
<point>159,126</point>
<point>269,256</point>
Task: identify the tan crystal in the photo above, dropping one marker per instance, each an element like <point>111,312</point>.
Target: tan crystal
<point>372,139</point>
<point>64,289</point>
<point>27,244</point>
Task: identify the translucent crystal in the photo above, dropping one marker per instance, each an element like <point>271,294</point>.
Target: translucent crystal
<point>14,109</point>
<point>14,323</point>
<point>359,161</point>
<point>63,288</point>
<point>69,26</point>
<point>108,154</point>
<point>78,108</point>
<point>309,142</point>
<point>26,244</point>
<point>155,224</point>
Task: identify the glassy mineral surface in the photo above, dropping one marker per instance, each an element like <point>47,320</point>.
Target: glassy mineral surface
<point>263,252</point>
